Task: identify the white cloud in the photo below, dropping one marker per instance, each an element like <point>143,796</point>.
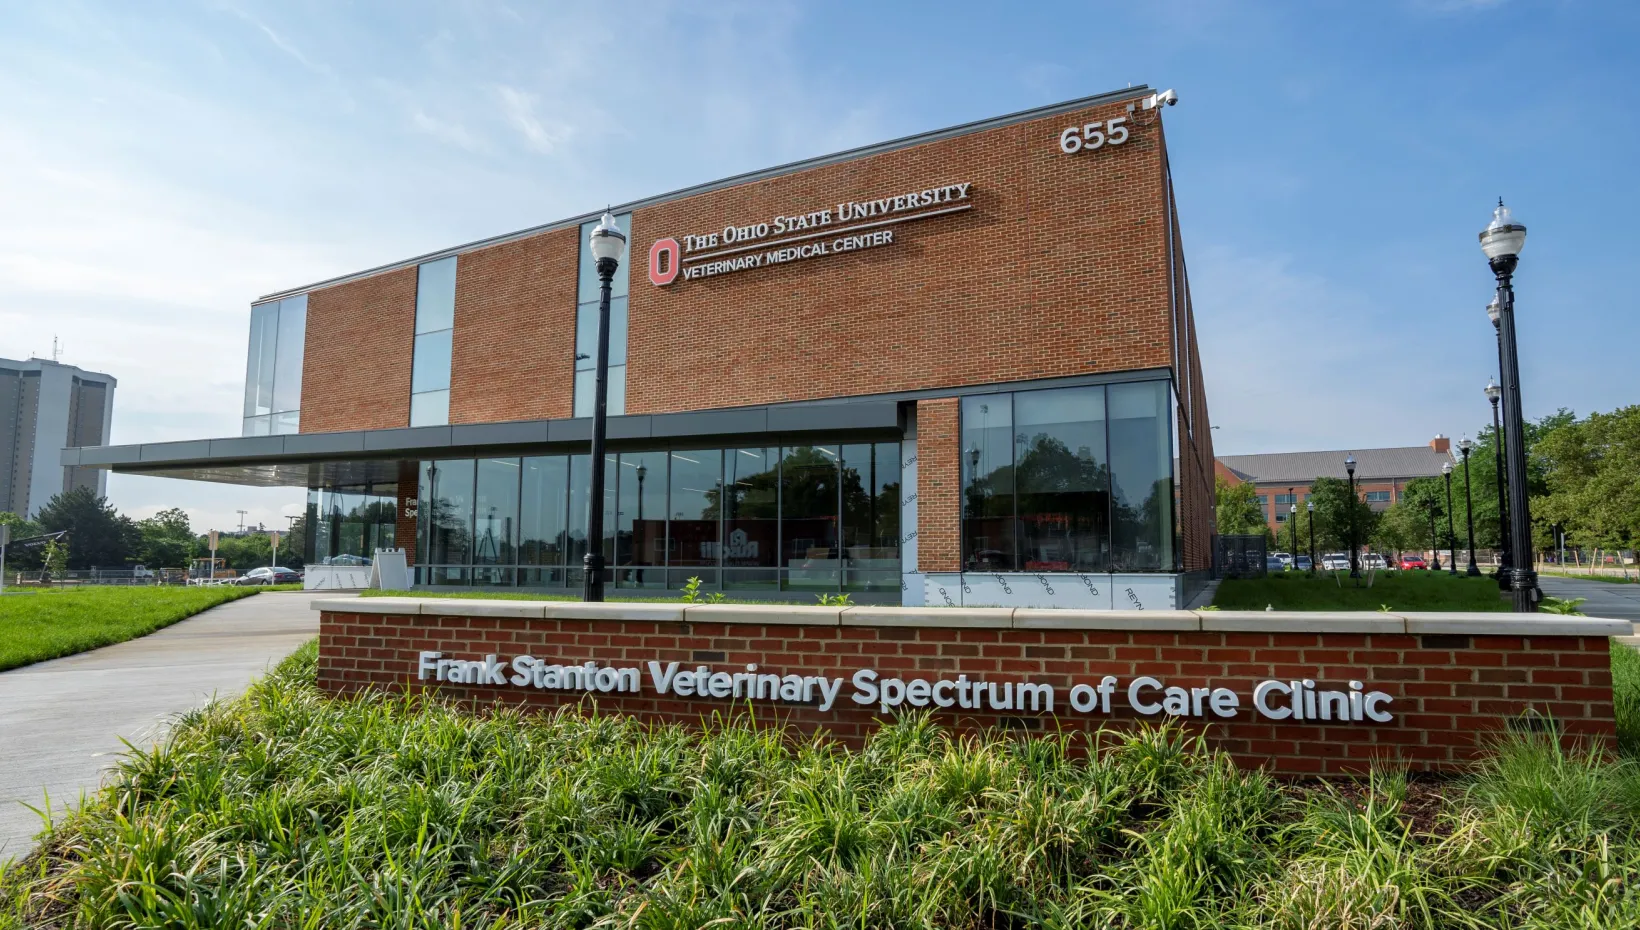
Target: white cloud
<point>519,107</point>
<point>453,133</point>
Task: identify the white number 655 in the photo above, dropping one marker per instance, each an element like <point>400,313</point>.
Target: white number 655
<point>1074,138</point>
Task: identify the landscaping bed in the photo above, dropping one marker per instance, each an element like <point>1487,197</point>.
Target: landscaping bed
<point>1398,590</point>
<point>46,624</point>
<point>289,808</point>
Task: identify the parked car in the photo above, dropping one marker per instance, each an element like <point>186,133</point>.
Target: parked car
<point>1335,562</point>
<point>1303,564</point>
<point>267,575</point>
<point>1273,564</point>
<point>1374,560</point>
<point>1413,562</point>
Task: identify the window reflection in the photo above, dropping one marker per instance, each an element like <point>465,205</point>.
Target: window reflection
<point>696,495</point>
<point>1062,480</point>
<point>1141,477</point>
<point>543,520</point>
<point>988,483</point>
<point>751,539</point>
<point>640,522</point>
<point>809,517</point>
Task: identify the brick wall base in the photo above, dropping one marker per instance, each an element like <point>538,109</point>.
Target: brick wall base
<point>1450,692</point>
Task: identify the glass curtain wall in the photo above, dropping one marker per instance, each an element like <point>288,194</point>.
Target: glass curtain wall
<point>347,524</point>
<point>435,325</point>
<point>820,518</point>
<point>1069,479</point>
<point>273,367</point>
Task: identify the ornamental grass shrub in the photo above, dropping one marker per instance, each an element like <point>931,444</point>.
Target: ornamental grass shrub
<point>288,808</point>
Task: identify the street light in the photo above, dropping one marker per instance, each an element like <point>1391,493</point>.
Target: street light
<point>1309,506</point>
<point>1501,241</point>
<point>1493,395</point>
<point>607,242</point>
<point>1355,565</point>
<point>1292,518</point>
<point>1434,552</point>
<point>1464,446</point>
<point>1451,534</point>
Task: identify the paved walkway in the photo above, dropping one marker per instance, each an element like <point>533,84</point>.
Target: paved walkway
<point>61,721</point>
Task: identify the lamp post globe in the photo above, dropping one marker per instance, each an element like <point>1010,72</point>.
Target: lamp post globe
<point>1494,393</point>
<point>1309,507</point>
<point>1349,468</point>
<point>1501,241</point>
<point>607,243</point>
<point>1465,445</point>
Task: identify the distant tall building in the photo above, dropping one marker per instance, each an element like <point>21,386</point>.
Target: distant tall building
<point>46,406</point>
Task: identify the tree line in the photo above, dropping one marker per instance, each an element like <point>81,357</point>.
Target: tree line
<point>99,536</point>
<point>1582,475</point>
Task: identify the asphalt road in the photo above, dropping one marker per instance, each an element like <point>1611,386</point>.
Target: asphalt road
<point>61,721</point>
<point>1604,599</point>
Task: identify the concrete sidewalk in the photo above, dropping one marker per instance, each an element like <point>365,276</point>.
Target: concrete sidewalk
<point>61,721</point>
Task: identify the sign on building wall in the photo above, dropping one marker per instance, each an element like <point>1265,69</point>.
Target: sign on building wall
<point>849,226</point>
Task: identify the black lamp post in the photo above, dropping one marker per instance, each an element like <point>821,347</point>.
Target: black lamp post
<point>1464,446</point>
<point>1309,507</point>
<point>1493,395</point>
<point>1434,552</point>
<point>1355,564</point>
<point>1292,518</point>
<point>1501,241</point>
<point>607,243</point>
<point>1451,533</point>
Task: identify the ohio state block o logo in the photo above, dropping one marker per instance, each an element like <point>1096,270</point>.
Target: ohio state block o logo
<point>663,262</point>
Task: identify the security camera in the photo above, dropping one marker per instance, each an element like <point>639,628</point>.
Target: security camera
<point>1155,100</point>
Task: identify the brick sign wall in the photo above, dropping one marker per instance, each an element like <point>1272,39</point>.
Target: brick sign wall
<point>1444,681</point>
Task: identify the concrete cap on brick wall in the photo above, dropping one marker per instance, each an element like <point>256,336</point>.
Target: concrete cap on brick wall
<point>1047,618</point>
<point>996,618</point>
<point>1024,618</point>
<point>761,613</point>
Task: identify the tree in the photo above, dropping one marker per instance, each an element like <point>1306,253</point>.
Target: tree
<point>1591,472</point>
<point>167,539</point>
<point>245,552</point>
<point>56,559</point>
<point>1238,510</point>
<point>293,544</point>
<point>100,536</point>
<point>27,557</point>
<point>1333,508</point>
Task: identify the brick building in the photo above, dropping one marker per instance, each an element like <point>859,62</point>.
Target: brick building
<point>957,367</point>
<point>1283,479</point>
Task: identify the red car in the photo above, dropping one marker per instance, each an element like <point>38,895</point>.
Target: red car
<point>1410,562</point>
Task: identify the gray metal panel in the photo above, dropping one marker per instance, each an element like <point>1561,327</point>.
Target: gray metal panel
<point>878,415</point>
<point>525,432</point>
<point>877,148</point>
<point>71,456</point>
<point>569,430</point>
<point>413,437</point>
<point>629,427</point>
<point>325,443</point>
<point>176,451</point>
<point>246,447</point>
<point>110,455</point>
<point>710,422</point>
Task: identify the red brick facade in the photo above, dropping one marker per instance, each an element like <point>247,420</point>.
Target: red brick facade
<point>1064,265</point>
<point>1449,691</point>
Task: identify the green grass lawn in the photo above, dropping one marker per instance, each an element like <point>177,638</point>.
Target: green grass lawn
<point>47,624</point>
<point>1399,590</point>
<point>288,808</point>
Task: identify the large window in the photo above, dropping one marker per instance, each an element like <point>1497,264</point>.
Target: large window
<point>273,367</point>
<point>347,524</point>
<point>819,518</point>
<point>587,298</point>
<point>1069,479</point>
<point>435,325</point>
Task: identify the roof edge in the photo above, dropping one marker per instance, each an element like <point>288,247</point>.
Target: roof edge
<point>875,148</point>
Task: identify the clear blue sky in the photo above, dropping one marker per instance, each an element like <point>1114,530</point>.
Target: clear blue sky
<point>163,164</point>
